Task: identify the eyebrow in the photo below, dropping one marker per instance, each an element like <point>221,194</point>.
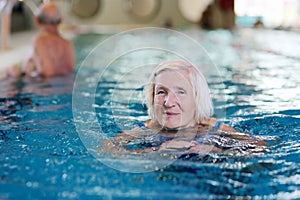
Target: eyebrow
<point>180,88</point>
<point>160,87</point>
<point>165,88</point>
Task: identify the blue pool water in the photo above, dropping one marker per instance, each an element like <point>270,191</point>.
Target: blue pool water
<point>42,155</point>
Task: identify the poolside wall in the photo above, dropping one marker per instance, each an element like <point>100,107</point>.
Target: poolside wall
<point>113,12</point>
<point>116,13</point>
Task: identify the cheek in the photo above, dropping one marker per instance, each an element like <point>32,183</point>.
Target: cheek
<point>158,100</point>
<point>189,104</point>
<point>157,104</point>
<point>158,107</point>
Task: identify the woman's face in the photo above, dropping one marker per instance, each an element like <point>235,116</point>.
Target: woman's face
<point>174,105</point>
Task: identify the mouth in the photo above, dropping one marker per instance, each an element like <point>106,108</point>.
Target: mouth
<point>171,114</point>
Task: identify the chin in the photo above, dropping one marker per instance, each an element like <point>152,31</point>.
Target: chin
<point>177,126</point>
<point>172,126</point>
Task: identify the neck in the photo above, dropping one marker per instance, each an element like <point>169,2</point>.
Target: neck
<point>154,124</point>
<point>50,29</point>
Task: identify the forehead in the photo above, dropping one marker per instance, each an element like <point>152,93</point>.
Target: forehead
<point>173,78</point>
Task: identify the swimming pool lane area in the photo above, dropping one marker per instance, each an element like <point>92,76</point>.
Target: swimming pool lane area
<point>43,156</point>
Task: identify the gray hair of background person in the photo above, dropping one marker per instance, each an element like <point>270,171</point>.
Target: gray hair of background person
<point>46,18</point>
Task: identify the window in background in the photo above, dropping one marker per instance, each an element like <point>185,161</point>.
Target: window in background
<point>272,13</point>
<point>85,8</point>
<point>192,10</point>
<point>142,10</point>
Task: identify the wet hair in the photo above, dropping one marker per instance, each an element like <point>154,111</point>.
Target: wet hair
<point>201,93</point>
<point>43,18</point>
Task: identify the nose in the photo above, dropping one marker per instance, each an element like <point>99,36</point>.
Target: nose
<point>170,100</point>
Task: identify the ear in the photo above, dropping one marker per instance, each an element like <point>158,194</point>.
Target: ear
<point>37,20</point>
<point>61,19</point>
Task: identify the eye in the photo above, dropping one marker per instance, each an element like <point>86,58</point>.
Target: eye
<point>160,92</point>
<point>181,92</point>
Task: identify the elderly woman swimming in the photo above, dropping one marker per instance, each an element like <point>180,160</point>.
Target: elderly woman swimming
<point>178,97</point>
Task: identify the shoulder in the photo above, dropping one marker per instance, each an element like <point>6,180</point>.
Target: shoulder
<point>217,125</point>
<point>152,124</point>
<point>47,36</point>
<point>40,39</point>
<point>49,40</point>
